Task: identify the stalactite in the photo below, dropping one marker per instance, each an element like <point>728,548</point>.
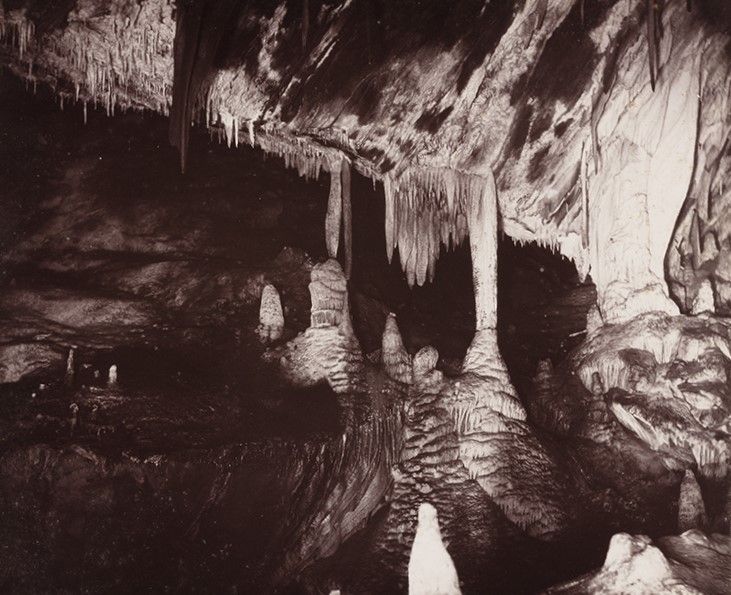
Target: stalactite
<point>652,40</point>
<point>16,28</point>
<point>424,209</point>
<point>250,129</point>
<point>302,155</point>
<point>390,218</point>
<point>334,214</point>
<point>200,28</point>
<point>102,61</point>
<point>347,220</point>
<point>584,197</point>
<point>305,22</point>
<point>482,221</point>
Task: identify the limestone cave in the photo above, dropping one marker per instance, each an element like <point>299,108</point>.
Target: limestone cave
<point>365,296</point>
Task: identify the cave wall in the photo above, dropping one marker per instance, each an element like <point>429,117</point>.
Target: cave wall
<point>601,121</point>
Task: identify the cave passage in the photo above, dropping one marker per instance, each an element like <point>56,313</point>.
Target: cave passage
<point>110,252</point>
<point>150,437</point>
<point>432,297</point>
<point>542,302</point>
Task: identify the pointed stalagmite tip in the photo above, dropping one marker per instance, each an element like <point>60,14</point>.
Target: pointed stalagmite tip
<point>396,360</point>
<point>704,300</point>
<point>425,360</point>
<point>431,569</point>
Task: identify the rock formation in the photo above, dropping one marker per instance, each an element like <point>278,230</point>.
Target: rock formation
<point>328,350</point>
<point>396,360</point>
<point>670,565</point>
<point>271,317</point>
<point>431,570</point>
<point>691,510</point>
<point>489,107</point>
<point>597,130</point>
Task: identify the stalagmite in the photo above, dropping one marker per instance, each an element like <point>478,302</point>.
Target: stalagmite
<point>703,301</point>
<point>74,409</point>
<point>425,360</point>
<point>424,368</point>
<point>396,360</point>
<point>390,217</point>
<point>328,294</point>
<point>597,386</point>
<point>271,317</point>
<point>691,510</point>
<point>70,366</point>
<point>634,565</point>
<point>328,350</point>
<point>334,210</point>
<point>431,569</point>
<point>347,220</point>
<point>112,378</point>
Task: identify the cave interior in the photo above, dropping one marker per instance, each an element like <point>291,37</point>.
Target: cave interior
<point>360,296</point>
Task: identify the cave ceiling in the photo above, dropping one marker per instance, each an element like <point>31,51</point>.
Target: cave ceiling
<point>423,95</point>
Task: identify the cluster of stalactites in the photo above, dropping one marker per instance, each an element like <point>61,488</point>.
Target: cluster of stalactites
<point>426,208</point>
<point>16,30</point>
<point>567,244</point>
<point>303,156</point>
<point>132,70</point>
<point>132,60</point>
